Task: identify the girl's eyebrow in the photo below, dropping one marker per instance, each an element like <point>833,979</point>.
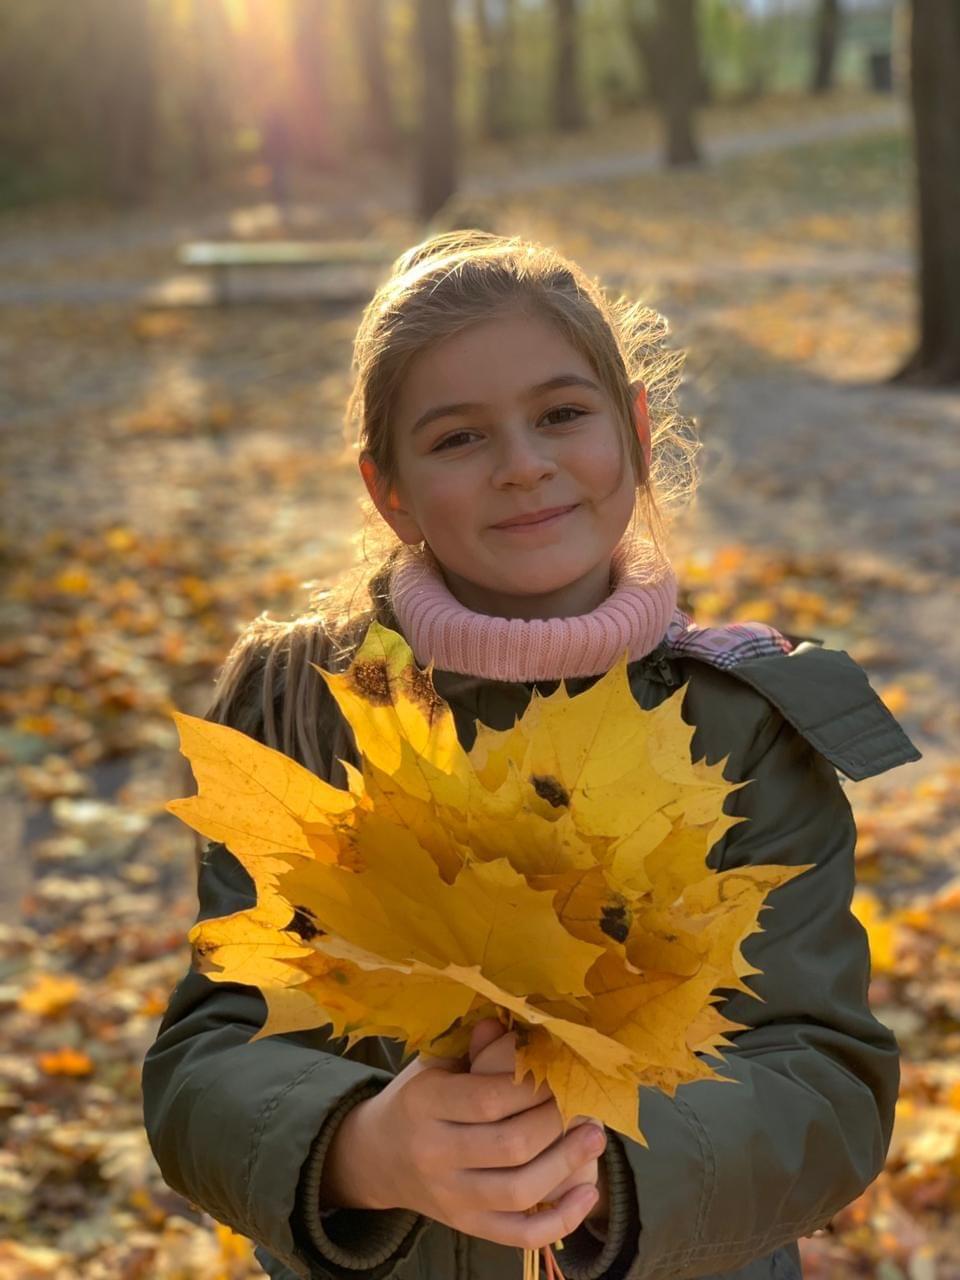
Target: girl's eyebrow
<point>467,406</point>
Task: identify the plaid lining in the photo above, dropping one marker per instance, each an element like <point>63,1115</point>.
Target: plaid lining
<point>726,645</point>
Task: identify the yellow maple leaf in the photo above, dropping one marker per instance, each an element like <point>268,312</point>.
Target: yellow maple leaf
<point>49,994</point>
<point>555,876</point>
<point>881,931</point>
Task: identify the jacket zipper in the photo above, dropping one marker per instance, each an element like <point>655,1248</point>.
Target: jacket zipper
<point>660,665</point>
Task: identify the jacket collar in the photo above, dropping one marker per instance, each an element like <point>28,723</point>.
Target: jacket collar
<point>498,702</point>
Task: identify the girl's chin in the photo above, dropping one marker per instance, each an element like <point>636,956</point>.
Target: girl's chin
<point>530,575</point>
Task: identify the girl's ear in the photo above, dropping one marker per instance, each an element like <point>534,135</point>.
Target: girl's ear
<point>387,501</point>
<point>642,420</point>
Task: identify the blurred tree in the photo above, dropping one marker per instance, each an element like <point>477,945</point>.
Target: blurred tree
<point>45,103</point>
<point>677,20</point>
<point>277,146</point>
<point>757,50</point>
<point>495,28</point>
<point>643,22</point>
<point>380,124</point>
<point>435,58</point>
<point>120,51</point>
<point>935,98</point>
<point>208,109</point>
<point>640,20</point>
<point>569,113</point>
<point>826,41</point>
<point>312,100</point>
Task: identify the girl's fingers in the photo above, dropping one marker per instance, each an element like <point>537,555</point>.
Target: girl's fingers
<point>466,1097</point>
<point>531,1183</point>
<point>492,1052</point>
<point>507,1143</point>
<point>485,1034</point>
<point>531,1230</point>
<point>589,1172</point>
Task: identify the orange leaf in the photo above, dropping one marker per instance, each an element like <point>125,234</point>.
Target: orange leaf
<point>49,995</point>
<point>65,1062</point>
<point>895,698</point>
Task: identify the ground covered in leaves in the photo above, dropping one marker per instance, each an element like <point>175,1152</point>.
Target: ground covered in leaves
<point>169,474</point>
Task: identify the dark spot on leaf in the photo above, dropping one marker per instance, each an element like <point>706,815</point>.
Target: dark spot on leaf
<point>615,922</point>
<point>523,1034</point>
<point>420,690</point>
<point>446,1031</point>
<point>372,681</point>
<point>202,962</point>
<point>338,976</point>
<point>549,789</point>
<point>304,924</point>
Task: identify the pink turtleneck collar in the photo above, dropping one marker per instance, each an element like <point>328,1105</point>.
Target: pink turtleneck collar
<point>635,616</point>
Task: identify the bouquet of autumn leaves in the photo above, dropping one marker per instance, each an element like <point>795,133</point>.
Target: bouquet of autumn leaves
<point>554,877</point>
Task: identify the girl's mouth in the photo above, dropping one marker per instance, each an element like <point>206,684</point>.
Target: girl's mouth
<point>536,524</point>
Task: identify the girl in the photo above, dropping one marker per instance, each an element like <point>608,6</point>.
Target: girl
<point>521,445</point>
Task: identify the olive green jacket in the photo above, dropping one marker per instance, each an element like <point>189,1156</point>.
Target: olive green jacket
<point>732,1176</point>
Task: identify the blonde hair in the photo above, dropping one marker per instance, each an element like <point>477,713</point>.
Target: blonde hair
<point>266,686</point>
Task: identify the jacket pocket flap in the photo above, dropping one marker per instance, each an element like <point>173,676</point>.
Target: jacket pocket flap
<point>827,697</point>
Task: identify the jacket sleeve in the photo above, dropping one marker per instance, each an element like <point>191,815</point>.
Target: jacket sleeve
<point>733,1171</point>
<point>235,1126</point>
<point>589,1254</point>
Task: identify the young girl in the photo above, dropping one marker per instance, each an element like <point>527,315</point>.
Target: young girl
<point>521,445</point>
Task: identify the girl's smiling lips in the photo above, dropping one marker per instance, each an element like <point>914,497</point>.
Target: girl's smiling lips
<point>536,518</point>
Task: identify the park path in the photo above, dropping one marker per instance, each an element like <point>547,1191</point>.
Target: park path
<point>127,234</point>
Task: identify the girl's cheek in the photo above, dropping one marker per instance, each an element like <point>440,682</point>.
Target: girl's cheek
<point>450,491</point>
<point>603,464</point>
<point>593,459</point>
<point>447,514</point>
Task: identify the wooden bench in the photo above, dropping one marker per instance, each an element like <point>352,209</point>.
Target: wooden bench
<point>334,270</point>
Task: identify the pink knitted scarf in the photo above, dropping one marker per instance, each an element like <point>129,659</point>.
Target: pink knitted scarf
<point>635,616</point>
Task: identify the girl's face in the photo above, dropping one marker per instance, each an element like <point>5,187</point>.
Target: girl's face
<point>507,419</point>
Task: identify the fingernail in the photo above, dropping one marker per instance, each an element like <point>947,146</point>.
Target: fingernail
<point>596,1139</point>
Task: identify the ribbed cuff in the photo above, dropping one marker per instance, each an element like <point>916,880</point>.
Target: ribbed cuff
<point>357,1239</point>
<point>585,1256</point>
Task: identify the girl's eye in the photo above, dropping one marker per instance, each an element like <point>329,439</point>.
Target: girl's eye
<point>443,443</point>
<point>565,408</point>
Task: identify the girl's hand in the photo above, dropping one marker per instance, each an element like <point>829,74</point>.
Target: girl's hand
<point>492,1048</point>
<point>473,1150</point>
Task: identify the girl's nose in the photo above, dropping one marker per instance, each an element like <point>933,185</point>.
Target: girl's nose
<point>522,460</point>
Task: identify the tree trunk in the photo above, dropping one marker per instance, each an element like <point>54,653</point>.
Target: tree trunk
<point>380,125</point>
<point>646,36</point>
<point>935,98</point>
<point>312,99</point>
<point>677,46</point>
<point>704,93</point>
<point>208,112</point>
<point>126,101</point>
<point>826,41</point>
<point>495,22</point>
<point>568,108</point>
<point>436,57</point>
<point>643,36</point>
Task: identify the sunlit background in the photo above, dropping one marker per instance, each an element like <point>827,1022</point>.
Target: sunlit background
<point>197,198</point>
